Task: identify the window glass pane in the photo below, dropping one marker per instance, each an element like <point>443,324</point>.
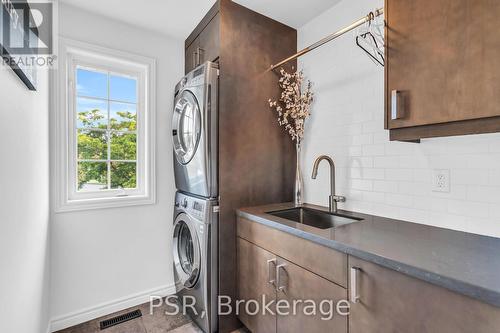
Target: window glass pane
<point>123,116</point>
<point>123,146</point>
<point>123,175</point>
<point>92,176</point>
<point>91,113</point>
<point>92,145</point>
<point>123,89</point>
<point>91,83</point>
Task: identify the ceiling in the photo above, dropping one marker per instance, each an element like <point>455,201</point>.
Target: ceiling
<point>177,18</point>
<point>294,13</point>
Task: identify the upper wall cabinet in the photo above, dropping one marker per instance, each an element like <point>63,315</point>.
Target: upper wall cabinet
<point>203,44</point>
<point>442,73</point>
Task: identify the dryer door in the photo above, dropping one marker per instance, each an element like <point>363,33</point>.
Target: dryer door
<point>187,126</point>
<point>187,258</point>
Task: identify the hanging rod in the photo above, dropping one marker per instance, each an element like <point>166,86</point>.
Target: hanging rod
<point>331,37</point>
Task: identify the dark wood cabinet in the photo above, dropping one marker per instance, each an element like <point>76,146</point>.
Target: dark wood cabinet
<point>191,56</point>
<point>264,274</point>
<point>254,275</point>
<point>209,41</point>
<point>442,67</point>
<point>393,302</point>
<point>204,42</point>
<point>251,142</point>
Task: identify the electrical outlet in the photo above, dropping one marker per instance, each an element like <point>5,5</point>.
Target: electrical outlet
<point>441,180</point>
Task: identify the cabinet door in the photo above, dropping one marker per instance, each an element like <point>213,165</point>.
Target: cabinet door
<point>191,56</point>
<point>443,55</point>
<point>393,302</point>
<point>256,267</point>
<point>209,41</point>
<point>299,284</point>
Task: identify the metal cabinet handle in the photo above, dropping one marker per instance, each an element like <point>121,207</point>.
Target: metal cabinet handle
<point>271,271</point>
<point>281,284</point>
<point>354,284</point>
<point>199,50</point>
<point>195,56</point>
<point>397,105</point>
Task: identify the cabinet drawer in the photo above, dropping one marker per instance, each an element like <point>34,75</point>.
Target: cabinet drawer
<point>303,285</point>
<point>328,263</point>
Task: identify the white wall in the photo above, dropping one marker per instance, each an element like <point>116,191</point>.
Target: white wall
<point>24,204</point>
<point>385,178</point>
<point>102,257</point>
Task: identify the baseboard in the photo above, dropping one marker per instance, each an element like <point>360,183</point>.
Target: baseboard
<point>104,309</point>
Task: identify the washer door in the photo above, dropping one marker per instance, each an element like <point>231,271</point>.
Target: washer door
<point>187,258</point>
<point>186,126</point>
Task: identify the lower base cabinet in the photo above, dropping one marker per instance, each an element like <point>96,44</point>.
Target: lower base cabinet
<point>393,302</point>
<point>253,284</point>
<point>382,300</point>
<point>261,273</point>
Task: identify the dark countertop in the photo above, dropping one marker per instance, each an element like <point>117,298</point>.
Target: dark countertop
<point>462,262</point>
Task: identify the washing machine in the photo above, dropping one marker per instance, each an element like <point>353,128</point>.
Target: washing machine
<point>195,258</point>
<point>195,126</point>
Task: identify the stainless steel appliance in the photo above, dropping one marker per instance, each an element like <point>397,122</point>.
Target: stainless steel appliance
<point>195,257</point>
<point>195,132</point>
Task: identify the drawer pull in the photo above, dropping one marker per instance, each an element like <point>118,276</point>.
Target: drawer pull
<point>282,282</point>
<point>271,271</point>
<point>354,284</point>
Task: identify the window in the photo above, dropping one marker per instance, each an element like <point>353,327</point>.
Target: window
<point>106,130</point>
<point>106,155</point>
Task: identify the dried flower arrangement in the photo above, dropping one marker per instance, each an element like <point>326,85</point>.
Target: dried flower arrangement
<point>293,109</point>
<point>294,104</point>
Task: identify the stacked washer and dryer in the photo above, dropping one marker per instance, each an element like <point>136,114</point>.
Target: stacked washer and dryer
<point>195,134</point>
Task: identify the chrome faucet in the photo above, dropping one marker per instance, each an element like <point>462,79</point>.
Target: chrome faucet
<point>333,199</point>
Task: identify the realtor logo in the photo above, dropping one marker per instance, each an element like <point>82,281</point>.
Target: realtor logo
<point>26,28</point>
<point>27,37</point>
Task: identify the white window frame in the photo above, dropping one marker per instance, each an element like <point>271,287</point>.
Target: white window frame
<point>73,54</point>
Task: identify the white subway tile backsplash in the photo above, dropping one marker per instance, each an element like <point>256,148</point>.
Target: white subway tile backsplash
<point>391,179</point>
<point>374,150</point>
<point>361,162</point>
<point>399,148</point>
<point>399,200</point>
<point>361,184</point>
<point>484,193</point>
<point>399,174</point>
<point>381,137</point>
<point>467,208</point>
<point>372,126</point>
<point>449,221</point>
<point>483,226</point>
<point>385,186</point>
<point>495,211</point>
<point>355,151</point>
<point>377,197</point>
<point>416,161</point>
<point>386,161</point>
<point>362,139</point>
<point>413,188</point>
<point>494,177</point>
<point>415,215</point>
<point>470,177</point>
<point>422,175</point>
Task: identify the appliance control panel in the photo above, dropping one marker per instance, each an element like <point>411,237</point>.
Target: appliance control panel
<point>195,207</point>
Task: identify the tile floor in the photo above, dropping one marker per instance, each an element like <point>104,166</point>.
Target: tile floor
<point>158,322</point>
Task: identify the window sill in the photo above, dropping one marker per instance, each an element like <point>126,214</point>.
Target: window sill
<point>103,203</point>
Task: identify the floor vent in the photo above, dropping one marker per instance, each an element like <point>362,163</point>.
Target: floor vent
<point>120,319</point>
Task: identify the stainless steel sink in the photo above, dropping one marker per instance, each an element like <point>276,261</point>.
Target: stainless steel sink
<point>314,218</point>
